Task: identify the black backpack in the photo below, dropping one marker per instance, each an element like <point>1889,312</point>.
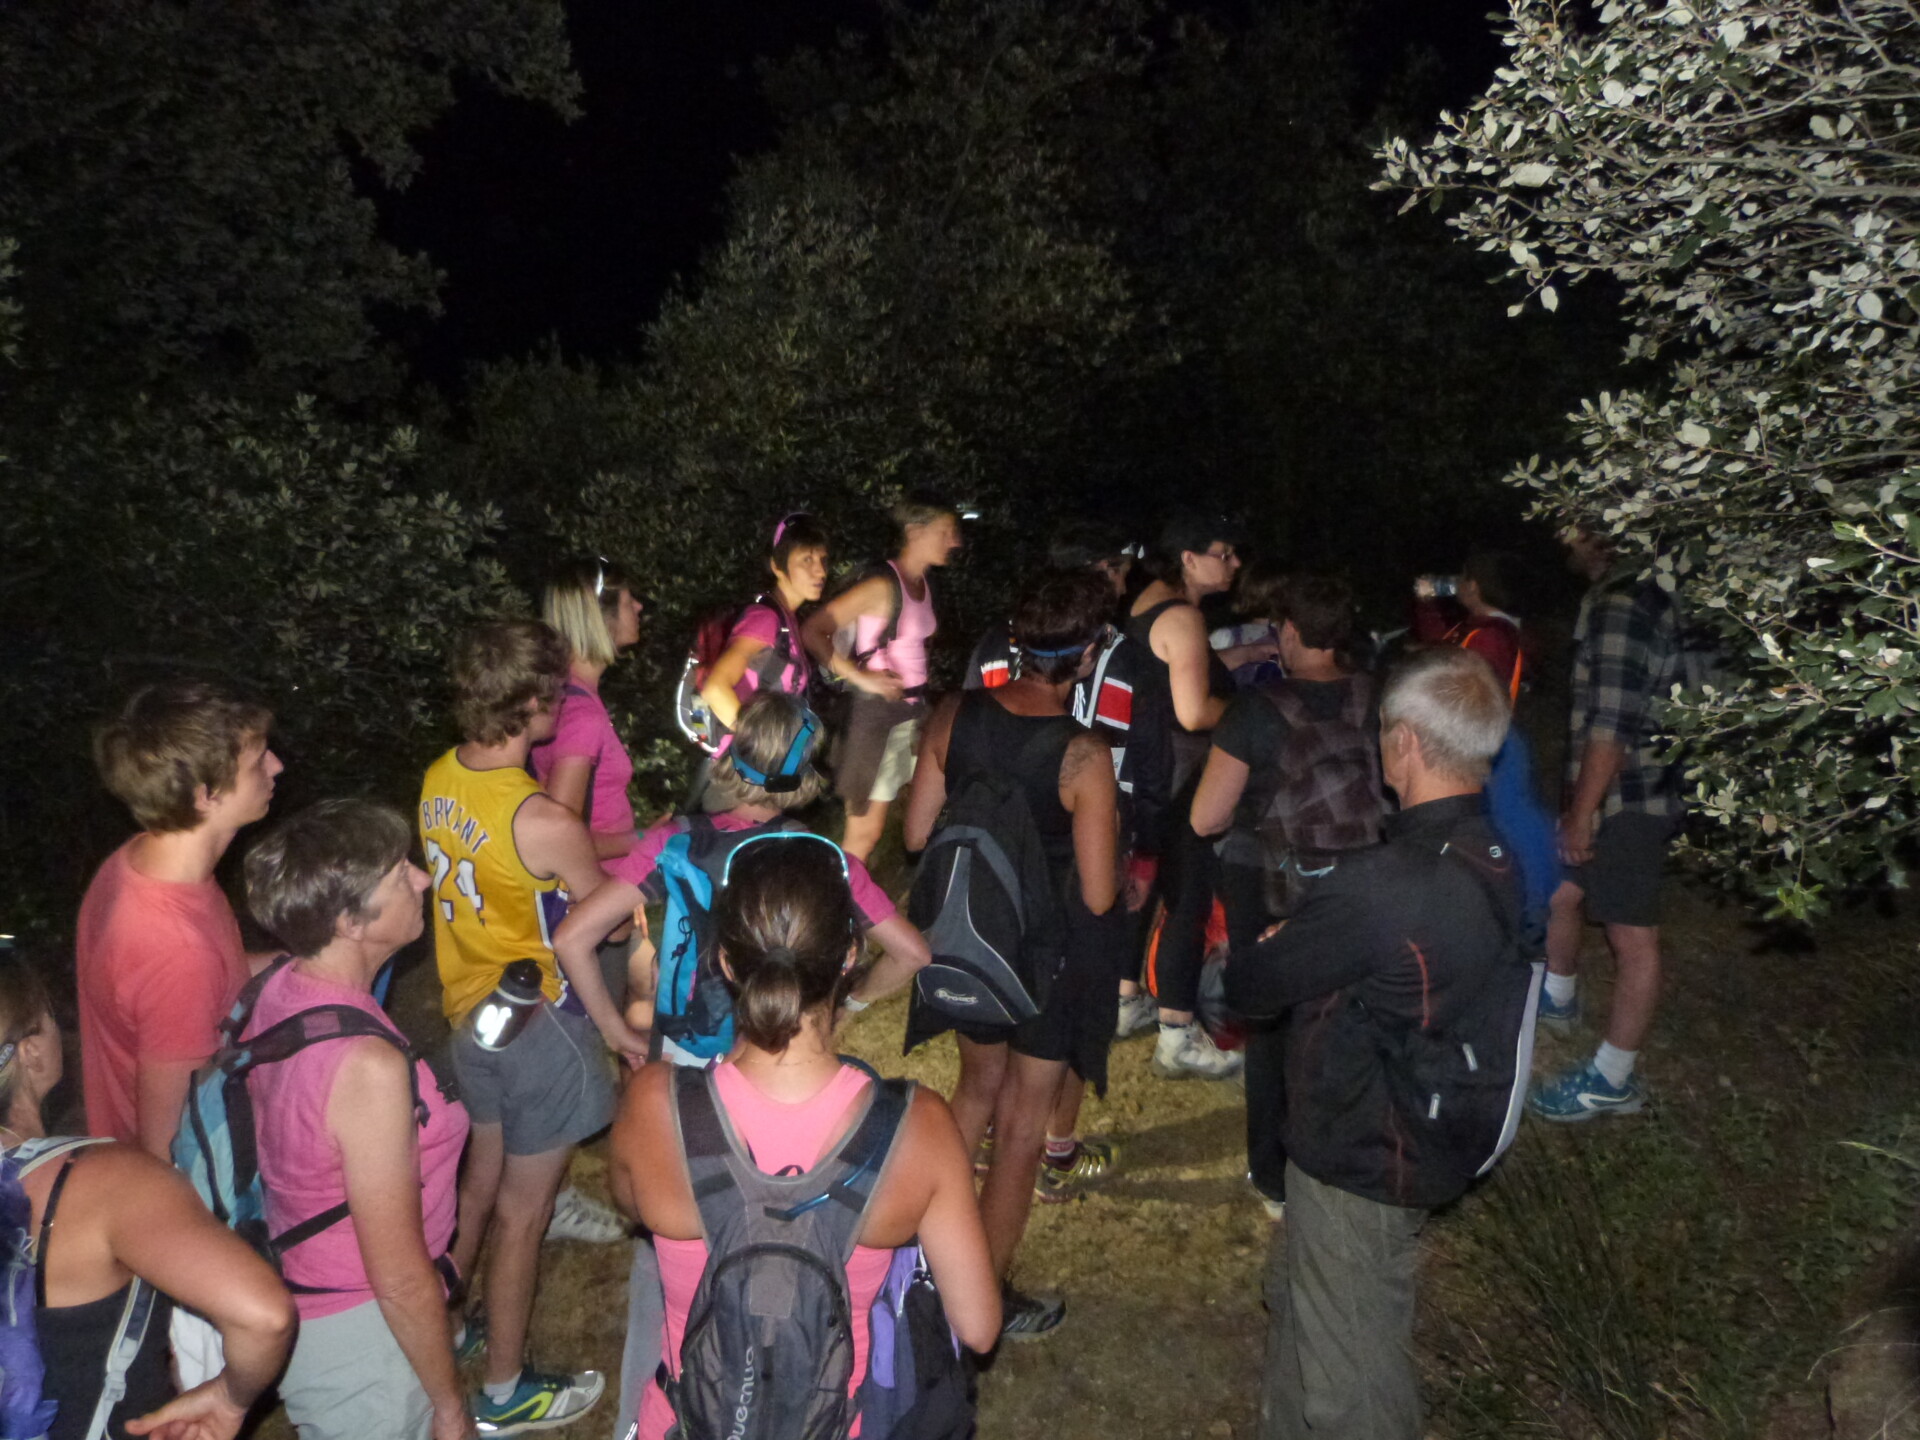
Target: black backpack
<point>768,1349</point>
<point>985,900</point>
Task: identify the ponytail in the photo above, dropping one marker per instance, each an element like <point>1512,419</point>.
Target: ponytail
<point>785,923</point>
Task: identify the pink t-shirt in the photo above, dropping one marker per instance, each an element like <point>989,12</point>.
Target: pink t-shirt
<point>906,656</point>
<point>585,731</point>
<point>762,621</point>
<point>640,866</point>
<point>158,964</point>
<point>780,1135</point>
<point>300,1161</point>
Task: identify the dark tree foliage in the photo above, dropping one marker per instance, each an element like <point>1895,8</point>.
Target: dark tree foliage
<point>180,178</point>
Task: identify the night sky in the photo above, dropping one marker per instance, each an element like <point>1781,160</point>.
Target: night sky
<point>575,232</point>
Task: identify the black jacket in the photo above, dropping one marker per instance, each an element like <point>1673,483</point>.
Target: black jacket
<point>1405,993</point>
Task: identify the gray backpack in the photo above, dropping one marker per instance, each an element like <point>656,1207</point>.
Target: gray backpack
<point>768,1350</point>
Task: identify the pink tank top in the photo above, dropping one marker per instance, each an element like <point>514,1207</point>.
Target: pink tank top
<point>780,1136</point>
<point>907,655</point>
<point>300,1163</point>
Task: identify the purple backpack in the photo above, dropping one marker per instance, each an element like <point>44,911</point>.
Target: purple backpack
<point>919,1385</point>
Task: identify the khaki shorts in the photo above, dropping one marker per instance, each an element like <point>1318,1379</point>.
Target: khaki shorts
<point>897,761</point>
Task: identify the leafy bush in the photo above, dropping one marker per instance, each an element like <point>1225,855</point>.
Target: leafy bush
<point>1744,169</point>
<point>285,553</point>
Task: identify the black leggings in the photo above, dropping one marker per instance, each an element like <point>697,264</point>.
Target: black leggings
<point>1243,891</point>
<point>1187,867</point>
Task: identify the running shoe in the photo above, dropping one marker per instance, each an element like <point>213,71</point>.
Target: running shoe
<point>1029,1317</point>
<point>580,1217</point>
<point>1091,1162</point>
<point>1559,1019</point>
<point>1582,1092</point>
<point>539,1402</point>
<point>1188,1053</point>
<point>471,1342</point>
<point>1138,1014</point>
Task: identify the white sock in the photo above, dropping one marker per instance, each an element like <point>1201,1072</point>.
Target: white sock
<point>1614,1063</point>
<point>1562,988</point>
<point>503,1392</point>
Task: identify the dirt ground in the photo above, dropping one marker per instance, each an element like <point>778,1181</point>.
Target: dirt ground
<point>1766,1061</point>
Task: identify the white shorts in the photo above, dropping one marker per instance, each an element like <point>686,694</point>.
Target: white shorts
<point>897,761</point>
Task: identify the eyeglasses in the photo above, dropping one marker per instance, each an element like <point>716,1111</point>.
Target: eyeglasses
<point>771,837</point>
<point>1225,552</point>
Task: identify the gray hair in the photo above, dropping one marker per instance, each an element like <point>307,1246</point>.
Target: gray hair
<point>1448,697</point>
<point>324,863</point>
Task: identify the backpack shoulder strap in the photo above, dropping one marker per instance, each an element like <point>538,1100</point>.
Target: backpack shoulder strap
<point>129,1336</point>
<point>286,1038</point>
<point>30,1155</point>
<point>249,996</point>
<point>705,1147</point>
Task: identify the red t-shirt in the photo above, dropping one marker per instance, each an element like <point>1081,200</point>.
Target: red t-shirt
<point>159,963</point>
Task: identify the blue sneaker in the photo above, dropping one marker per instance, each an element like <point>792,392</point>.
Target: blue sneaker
<point>538,1402</point>
<point>1582,1092</point>
<point>1560,1019</point>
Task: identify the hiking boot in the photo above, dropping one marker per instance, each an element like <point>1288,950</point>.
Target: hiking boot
<point>1029,1317</point>
<point>1188,1053</point>
<point>1091,1162</point>
<point>1559,1019</point>
<point>1138,1014</point>
<point>538,1402</point>
<point>580,1217</point>
<point>1582,1092</point>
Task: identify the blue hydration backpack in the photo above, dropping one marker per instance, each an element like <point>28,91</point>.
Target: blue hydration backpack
<point>693,1007</point>
<point>215,1145</point>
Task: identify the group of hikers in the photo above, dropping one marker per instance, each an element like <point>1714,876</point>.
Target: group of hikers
<point>1324,876</point>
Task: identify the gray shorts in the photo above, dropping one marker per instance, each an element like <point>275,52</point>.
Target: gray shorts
<point>348,1379</point>
<point>1622,880</point>
<point>550,1088</point>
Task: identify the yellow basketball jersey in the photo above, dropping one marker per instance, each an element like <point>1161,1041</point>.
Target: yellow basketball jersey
<point>488,908</point>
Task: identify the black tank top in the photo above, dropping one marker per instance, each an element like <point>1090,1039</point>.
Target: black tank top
<point>989,739</point>
<point>74,1341</point>
<point>1189,746</point>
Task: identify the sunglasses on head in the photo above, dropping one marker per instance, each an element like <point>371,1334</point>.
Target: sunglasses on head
<point>780,530</point>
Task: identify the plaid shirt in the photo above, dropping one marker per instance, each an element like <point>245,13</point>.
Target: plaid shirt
<point>1626,653</point>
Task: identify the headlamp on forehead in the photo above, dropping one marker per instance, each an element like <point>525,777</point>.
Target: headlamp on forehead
<point>792,769</point>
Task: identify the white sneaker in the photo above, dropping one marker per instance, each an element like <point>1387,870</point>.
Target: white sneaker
<point>1189,1053</point>
<point>1138,1014</point>
<point>578,1217</point>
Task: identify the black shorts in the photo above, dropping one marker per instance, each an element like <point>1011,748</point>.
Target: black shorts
<point>1077,1024</point>
<point>1621,882</point>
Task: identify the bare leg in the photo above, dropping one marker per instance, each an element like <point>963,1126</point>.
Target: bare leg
<point>1564,924</point>
<point>1019,1136</point>
<point>479,1184</point>
<point>1636,988</point>
<point>863,830</point>
<point>983,1068</point>
<point>528,1184</point>
<point>1064,1123</point>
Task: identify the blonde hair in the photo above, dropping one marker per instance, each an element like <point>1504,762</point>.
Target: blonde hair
<point>763,734</point>
<point>918,510</point>
<point>581,603</point>
<point>1448,697</point>
<point>170,739</point>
